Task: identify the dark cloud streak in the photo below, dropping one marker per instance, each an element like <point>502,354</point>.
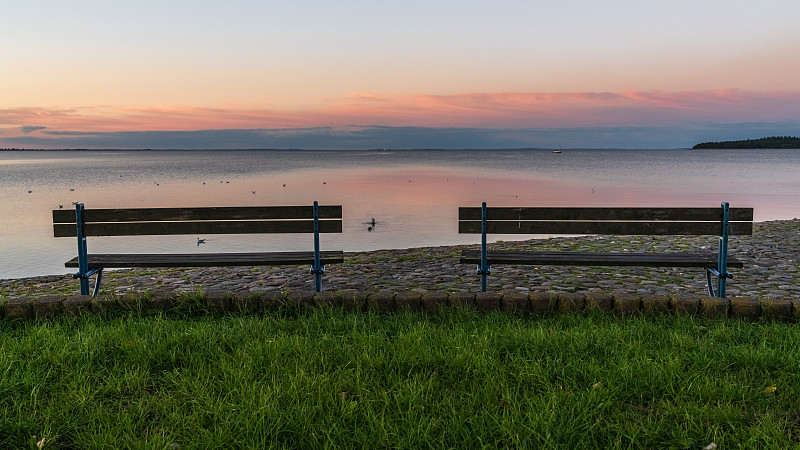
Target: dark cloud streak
<point>369,137</point>
<point>27,129</point>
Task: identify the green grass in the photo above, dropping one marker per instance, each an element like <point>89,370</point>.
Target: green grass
<point>313,378</point>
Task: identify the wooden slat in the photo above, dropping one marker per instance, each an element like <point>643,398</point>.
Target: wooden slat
<point>598,227</point>
<point>606,214</point>
<point>188,214</point>
<point>97,261</point>
<point>198,228</point>
<point>598,259</point>
<point>64,216</point>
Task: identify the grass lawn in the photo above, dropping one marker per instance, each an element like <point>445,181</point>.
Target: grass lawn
<point>311,378</point>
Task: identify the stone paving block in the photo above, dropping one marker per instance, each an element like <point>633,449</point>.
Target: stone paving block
<point>76,304</point>
<point>187,303</point>
<point>462,299</point>
<point>246,303</point>
<point>543,302</point>
<point>336,299</point>
<point>627,304</point>
<point>273,299</point>
<point>487,301</point>
<point>685,304</point>
<point>795,308</point>
<point>776,309</point>
<point>745,308</point>
<point>569,302</point>
<point>16,308</point>
<point>381,302</point>
<point>433,301</point>
<point>104,303</point>
<point>133,302</point>
<point>599,302</point>
<point>300,298</point>
<point>324,299</point>
<point>516,303</point>
<point>48,306</point>
<point>353,300</point>
<point>714,307</point>
<point>162,302</point>
<point>655,304</point>
<point>160,294</point>
<point>408,301</point>
<point>218,301</point>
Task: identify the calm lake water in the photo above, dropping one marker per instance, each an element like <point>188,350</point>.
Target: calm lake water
<point>413,195</point>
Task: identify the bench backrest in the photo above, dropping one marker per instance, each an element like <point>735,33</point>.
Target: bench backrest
<point>615,221</point>
<point>200,221</point>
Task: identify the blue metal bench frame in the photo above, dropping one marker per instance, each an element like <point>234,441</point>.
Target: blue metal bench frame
<point>720,272</point>
<point>274,258</point>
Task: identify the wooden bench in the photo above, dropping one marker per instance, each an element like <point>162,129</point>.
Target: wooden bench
<point>198,222</point>
<point>722,222</point>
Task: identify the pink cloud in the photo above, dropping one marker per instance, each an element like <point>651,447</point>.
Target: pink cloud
<point>486,110</point>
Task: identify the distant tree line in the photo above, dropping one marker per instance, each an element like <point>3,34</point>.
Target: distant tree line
<point>767,142</point>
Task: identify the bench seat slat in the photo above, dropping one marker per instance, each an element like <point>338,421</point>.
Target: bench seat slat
<point>206,213</point>
<point>600,227</point>
<point>97,261</point>
<point>597,259</point>
<point>198,228</point>
<point>594,213</point>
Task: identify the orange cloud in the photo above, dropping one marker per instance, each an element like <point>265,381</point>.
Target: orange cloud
<point>486,110</point>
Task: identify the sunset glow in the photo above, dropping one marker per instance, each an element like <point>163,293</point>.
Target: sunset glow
<point>88,72</point>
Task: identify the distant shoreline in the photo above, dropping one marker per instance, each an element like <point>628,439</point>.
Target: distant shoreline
<point>534,149</point>
<point>774,142</point>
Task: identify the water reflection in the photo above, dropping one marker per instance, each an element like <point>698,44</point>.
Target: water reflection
<point>390,199</point>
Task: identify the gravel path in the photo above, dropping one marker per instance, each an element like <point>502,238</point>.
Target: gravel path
<point>771,257</point>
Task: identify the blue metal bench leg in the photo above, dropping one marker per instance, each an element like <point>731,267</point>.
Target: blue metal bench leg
<point>84,280</point>
<point>710,283</point>
<point>483,269</point>
<point>721,271</point>
<point>83,258</point>
<point>97,282</point>
<point>317,269</point>
<point>720,292</point>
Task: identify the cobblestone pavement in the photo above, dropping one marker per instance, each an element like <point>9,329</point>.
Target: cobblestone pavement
<point>770,256</point>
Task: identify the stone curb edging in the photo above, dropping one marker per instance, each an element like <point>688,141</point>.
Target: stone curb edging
<point>621,304</point>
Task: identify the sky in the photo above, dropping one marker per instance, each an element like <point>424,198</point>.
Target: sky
<point>410,74</point>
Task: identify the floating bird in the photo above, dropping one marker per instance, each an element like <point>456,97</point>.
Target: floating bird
<point>284,184</point>
<point>29,191</point>
<point>324,182</point>
<point>71,189</point>
<point>373,221</point>
<point>369,228</point>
